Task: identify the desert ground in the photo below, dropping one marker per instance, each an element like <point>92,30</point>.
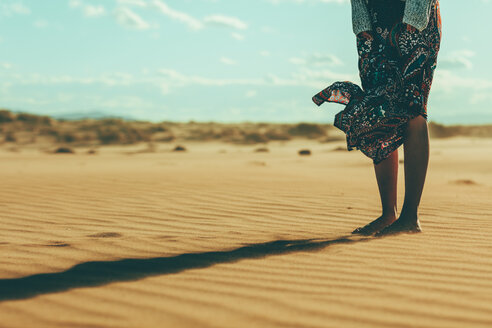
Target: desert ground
<point>238,235</point>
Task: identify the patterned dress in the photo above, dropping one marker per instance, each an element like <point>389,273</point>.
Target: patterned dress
<point>396,66</point>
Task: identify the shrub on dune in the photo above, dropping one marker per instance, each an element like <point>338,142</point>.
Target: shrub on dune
<point>277,135</point>
<point>34,119</point>
<point>6,116</point>
<point>255,137</point>
<point>307,130</point>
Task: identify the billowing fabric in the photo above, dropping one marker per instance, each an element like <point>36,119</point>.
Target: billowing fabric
<point>396,66</point>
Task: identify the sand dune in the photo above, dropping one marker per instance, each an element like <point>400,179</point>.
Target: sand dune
<point>210,238</point>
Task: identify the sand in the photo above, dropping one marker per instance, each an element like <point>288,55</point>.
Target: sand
<point>221,236</point>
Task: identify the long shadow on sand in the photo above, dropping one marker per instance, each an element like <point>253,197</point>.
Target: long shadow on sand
<point>91,274</point>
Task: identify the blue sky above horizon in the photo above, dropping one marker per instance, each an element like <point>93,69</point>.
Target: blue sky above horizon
<point>216,60</point>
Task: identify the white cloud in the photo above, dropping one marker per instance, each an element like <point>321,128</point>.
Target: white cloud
<point>127,102</point>
<point>138,3</point>
<point>448,81</point>
<point>227,21</point>
<point>41,23</point>
<point>177,15</point>
<point>195,23</point>
<point>237,36</point>
<point>297,61</point>
<point>304,77</point>
<point>268,29</point>
<point>251,93</point>
<point>174,79</point>
<point>129,19</point>
<point>457,59</point>
<point>19,8</point>
<point>14,8</point>
<point>481,97</point>
<point>322,76</point>
<point>310,78</point>
<point>318,60</point>
<point>88,9</point>
<point>227,61</point>
<point>325,59</point>
<point>94,11</point>
<point>169,79</point>
<point>74,3</point>
<point>108,79</point>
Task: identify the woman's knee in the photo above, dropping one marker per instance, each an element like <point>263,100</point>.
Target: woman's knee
<point>418,123</point>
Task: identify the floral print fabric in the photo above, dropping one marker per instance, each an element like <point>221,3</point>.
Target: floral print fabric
<point>396,66</point>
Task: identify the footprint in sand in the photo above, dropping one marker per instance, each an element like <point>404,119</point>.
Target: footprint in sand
<point>57,244</point>
<point>167,238</point>
<point>106,235</point>
<point>257,163</point>
<point>466,182</point>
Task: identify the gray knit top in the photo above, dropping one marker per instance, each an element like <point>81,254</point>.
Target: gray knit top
<point>417,13</point>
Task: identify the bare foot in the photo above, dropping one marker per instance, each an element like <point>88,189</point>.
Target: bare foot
<point>402,225</point>
<point>375,226</point>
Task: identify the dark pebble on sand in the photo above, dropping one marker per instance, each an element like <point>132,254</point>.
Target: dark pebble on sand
<point>64,150</point>
<point>179,148</point>
<point>304,152</point>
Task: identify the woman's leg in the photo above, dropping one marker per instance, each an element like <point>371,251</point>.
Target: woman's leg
<point>416,161</point>
<point>386,176</point>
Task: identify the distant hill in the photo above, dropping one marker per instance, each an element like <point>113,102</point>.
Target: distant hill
<point>98,128</point>
<point>97,115</point>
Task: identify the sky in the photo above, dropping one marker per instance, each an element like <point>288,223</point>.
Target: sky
<point>216,60</point>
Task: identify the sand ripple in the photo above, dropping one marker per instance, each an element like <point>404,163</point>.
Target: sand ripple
<point>188,240</point>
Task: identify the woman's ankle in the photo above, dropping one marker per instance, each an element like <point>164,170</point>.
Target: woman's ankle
<point>410,215</point>
<point>390,213</point>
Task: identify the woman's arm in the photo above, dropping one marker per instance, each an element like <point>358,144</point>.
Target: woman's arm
<point>417,13</point>
<point>361,21</point>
